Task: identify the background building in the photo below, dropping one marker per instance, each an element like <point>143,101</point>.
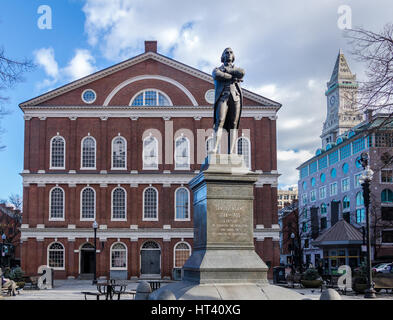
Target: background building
<point>286,197</point>
<point>329,188</point>
<point>119,147</point>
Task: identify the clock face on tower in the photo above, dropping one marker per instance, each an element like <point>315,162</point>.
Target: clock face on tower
<point>332,100</point>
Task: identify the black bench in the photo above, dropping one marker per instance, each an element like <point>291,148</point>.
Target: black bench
<point>96,294</point>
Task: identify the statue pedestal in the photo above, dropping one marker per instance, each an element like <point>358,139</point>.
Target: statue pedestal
<point>223,248</point>
<point>223,264</point>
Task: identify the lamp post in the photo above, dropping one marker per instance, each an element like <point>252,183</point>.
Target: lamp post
<point>365,180</point>
<point>3,237</point>
<point>293,252</point>
<point>95,226</point>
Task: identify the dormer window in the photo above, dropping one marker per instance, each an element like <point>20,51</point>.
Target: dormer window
<point>151,97</point>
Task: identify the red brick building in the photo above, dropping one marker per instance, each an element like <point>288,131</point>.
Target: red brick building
<point>119,147</point>
<point>10,222</point>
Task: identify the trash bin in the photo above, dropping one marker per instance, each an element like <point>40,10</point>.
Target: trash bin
<point>278,274</point>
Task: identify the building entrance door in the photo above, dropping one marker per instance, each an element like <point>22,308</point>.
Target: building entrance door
<point>87,258</point>
<point>150,259</point>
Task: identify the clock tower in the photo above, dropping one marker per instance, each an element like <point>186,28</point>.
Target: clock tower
<point>342,113</point>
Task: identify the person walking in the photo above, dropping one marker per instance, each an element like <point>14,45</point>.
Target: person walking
<point>8,283</point>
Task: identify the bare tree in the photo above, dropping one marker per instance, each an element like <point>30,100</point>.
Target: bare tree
<point>376,51</point>
<point>11,72</point>
<point>16,201</point>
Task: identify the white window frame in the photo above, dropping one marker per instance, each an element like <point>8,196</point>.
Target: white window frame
<point>111,250</point>
<point>95,154</point>
<point>313,192</point>
<point>89,102</point>
<point>380,176</point>
<point>248,165</point>
<point>304,196</point>
<point>324,195</point>
<point>143,204</point>
<point>330,188</point>
<point>157,98</point>
<point>81,204</point>
<point>47,256</point>
<point>125,155</point>
<point>145,166</point>
<point>349,208</point>
<point>174,251</point>
<point>342,184</point>
<point>64,154</point>
<point>355,180</point>
<point>187,165</point>
<point>188,209</point>
<point>125,204</point>
<point>50,204</point>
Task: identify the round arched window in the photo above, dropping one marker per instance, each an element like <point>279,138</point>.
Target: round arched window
<point>151,97</point>
<point>333,173</point>
<point>345,168</point>
<point>313,182</point>
<point>304,185</point>
<point>323,177</point>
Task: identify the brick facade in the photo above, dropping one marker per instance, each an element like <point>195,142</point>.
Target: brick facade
<point>63,113</point>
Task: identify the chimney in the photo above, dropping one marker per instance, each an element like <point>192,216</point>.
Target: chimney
<point>151,46</point>
<point>369,115</point>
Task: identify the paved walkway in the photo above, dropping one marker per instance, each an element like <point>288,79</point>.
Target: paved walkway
<point>71,290</point>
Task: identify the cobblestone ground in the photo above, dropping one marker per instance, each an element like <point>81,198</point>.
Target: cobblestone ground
<point>71,290</point>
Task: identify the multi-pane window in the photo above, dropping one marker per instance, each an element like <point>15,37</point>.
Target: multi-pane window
<point>150,153</point>
<point>182,153</point>
<point>56,256</point>
<point>118,204</point>
<point>323,208</point>
<point>243,148</point>
<point>150,204</point>
<point>119,149</point>
<point>333,189</point>
<point>346,203</point>
<point>56,206</point>
<point>150,98</point>
<point>313,167</point>
<point>345,151</point>
<point>303,172</point>
<point>322,192</point>
<point>387,196</point>
<point>182,253</point>
<point>304,198</point>
<point>119,256</point>
<point>313,196</point>
<point>359,199</point>
<point>210,145</point>
<point>358,145</point>
<point>345,185</point>
<point>88,204</point>
<point>88,152</point>
<point>57,151</point>
<point>333,157</point>
<point>357,182</point>
<point>387,236</point>
<point>383,139</point>
<point>386,175</point>
<point>182,204</point>
<point>322,163</point>
<point>304,227</point>
<point>360,215</point>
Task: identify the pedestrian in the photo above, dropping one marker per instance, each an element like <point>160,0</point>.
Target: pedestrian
<point>7,283</point>
<point>320,268</point>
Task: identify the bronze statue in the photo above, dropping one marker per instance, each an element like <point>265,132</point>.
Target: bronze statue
<point>228,99</point>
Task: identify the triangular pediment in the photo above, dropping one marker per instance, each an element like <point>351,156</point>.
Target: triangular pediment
<point>133,61</point>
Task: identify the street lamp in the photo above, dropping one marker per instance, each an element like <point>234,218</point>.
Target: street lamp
<point>293,252</point>
<point>95,226</point>
<point>365,180</point>
<point>3,237</point>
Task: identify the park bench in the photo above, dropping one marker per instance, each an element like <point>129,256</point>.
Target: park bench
<point>96,294</point>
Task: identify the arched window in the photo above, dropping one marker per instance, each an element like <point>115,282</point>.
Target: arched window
<point>345,168</point>
<point>57,153</point>
<point>151,97</point>
<point>56,256</point>
<point>182,153</point>
<point>150,153</point>
<point>56,204</point>
<point>313,181</point>
<point>346,203</point>
<point>88,204</point>
<point>359,199</point>
<point>323,208</point>
<point>119,204</point>
<point>210,145</point>
<point>387,196</point>
<point>182,253</point>
<point>182,204</point>
<point>150,204</point>
<point>118,256</point>
<point>88,153</point>
<point>333,173</point>
<point>119,153</point>
<point>243,148</point>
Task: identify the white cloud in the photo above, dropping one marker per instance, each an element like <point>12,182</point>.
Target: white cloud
<point>82,64</point>
<point>45,57</point>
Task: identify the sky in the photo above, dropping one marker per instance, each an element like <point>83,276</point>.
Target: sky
<point>288,49</point>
